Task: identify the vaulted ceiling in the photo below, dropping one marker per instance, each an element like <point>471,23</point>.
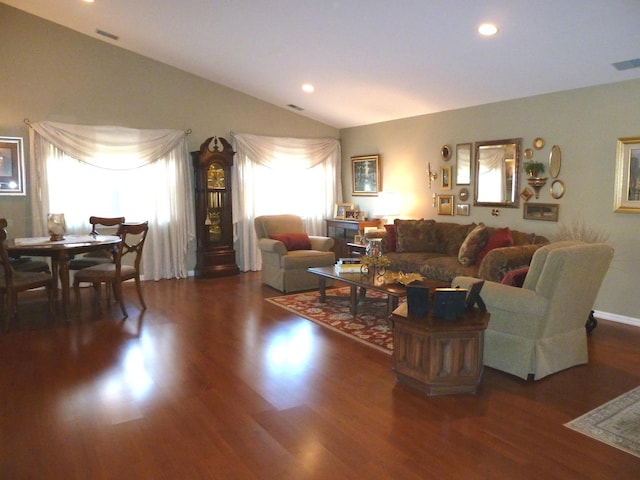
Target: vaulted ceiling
<point>371,60</point>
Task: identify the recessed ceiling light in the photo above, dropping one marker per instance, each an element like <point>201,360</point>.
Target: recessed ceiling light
<point>307,87</point>
<point>487,29</point>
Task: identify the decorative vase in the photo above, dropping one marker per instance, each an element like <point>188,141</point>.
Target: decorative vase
<point>56,226</point>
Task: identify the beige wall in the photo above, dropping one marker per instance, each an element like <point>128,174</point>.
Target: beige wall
<point>585,123</point>
<point>48,72</point>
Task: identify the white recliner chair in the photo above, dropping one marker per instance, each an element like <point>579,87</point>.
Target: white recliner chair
<point>283,268</point>
<point>539,329</point>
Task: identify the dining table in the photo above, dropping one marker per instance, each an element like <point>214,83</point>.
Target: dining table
<point>61,252</point>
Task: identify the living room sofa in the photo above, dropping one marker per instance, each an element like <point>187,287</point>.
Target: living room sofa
<point>443,251</point>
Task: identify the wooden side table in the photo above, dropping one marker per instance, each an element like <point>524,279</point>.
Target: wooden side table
<point>437,356</point>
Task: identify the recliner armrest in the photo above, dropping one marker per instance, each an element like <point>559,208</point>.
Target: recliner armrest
<point>322,244</point>
<point>270,245</point>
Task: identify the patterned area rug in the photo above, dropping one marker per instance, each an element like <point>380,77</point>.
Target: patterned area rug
<point>369,326</point>
<point>616,423</point>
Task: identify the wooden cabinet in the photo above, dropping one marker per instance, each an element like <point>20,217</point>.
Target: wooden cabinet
<point>343,231</point>
<point>437,356</point>
<point>214,225</point>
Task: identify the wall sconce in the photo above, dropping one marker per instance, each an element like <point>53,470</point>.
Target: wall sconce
<point>433,175</point>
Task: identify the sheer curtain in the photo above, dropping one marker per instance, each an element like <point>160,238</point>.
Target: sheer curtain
<point>143,175</point>
<point>275,175</point>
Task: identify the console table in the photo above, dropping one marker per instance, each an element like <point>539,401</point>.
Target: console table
<point>343,231</point>
<point>438,356</point>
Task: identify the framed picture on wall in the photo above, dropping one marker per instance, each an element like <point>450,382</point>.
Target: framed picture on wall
<point>627,196</point>
<point>445,204</point>
<point>365,172</point>
<point>541,211</point>
<point>12,181</point>
<point>445,178</point>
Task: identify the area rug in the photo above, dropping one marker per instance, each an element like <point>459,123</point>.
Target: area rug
<point>616,423</point>
<point>368,326</point>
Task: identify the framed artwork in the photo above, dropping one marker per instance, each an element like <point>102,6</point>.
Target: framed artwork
<point>526,194</point>
<point>445,178</point>
<point>445,204</point>
<point>340,210</point>
<point>12,181</point>
<point>351,214</point>
<point>463,164</point>
<point>365,172</point>
<point>627,191</point>
<point>541,211</point>
<point>462,209</point>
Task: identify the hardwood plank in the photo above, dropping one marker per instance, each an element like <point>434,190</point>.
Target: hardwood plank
<point>213,382</point>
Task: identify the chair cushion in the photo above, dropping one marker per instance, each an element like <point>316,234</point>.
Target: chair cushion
<point>294,241</point>
<point>475,241</point>
<point>500,237</point>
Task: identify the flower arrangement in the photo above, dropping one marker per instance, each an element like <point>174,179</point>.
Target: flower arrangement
<point>533,169</point>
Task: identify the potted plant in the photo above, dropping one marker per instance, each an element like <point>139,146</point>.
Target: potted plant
<point>534,169</point>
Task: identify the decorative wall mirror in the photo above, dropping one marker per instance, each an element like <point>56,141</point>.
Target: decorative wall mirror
<point>497,173</point>
<point>555,161</point>
<point>463,164</point>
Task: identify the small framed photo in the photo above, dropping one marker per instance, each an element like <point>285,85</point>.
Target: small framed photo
<point>445,204</point>
<point>365,172</point>
<point>462,209</point>
<point>445,178</point>
<point>359,239</point>
<point>351,214</point>
<point>627,196</point>
<point>12,181</point>
<point>340,209</point>
<point>541,211</point>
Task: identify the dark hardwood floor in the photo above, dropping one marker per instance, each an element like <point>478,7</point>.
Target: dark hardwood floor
<point>212,382</point>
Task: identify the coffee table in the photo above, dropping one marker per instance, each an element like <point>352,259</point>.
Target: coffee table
<point>364,282</point>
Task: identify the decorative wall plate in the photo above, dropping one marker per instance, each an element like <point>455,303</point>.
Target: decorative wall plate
<point>528,154</point>
<point>538,143</point>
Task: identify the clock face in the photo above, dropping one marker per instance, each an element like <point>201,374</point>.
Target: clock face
<point>464,194</point>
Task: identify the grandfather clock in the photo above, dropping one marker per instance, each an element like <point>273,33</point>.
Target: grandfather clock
<point>214,225</point>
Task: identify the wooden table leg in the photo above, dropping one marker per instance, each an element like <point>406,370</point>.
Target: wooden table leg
<point>392,304</point>
<point>63,272</point>
<point>322,288</point>
<point>354,300</point>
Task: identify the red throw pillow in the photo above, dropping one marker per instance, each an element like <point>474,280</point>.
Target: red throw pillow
<point>294,241</point>
<point>499,238</point>
<point>391,237</point>
<point>515,278</point>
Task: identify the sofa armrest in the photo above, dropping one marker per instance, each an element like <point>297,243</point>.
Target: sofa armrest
<point>322,244</point>
<point>499,261</point>
<point>272,246</point>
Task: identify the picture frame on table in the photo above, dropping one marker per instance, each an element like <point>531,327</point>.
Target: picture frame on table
<point>340,209</point>
<point>541,211</point>
<point>12,179</point>
<point>365,173</point>
<point>627,176</point>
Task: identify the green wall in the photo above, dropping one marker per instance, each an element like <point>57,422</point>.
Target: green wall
<point>585,123</point>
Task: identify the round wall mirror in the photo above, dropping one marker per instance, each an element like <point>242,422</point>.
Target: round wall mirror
<point>555,161</point>
<point>557,189</point>
<point>445,152</point>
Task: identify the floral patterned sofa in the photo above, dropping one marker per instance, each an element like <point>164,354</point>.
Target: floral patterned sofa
<point>443,251</point>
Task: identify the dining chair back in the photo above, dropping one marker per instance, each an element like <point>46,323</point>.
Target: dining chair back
<point>12,282</point>
<point>97,257</point>
<point>133,236</point>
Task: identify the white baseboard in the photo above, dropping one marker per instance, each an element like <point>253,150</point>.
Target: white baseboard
<point>617,318</point>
